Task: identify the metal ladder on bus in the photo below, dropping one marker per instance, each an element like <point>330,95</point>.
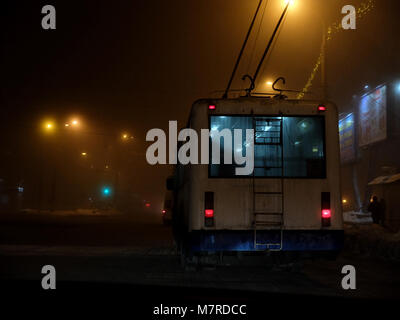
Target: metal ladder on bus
<point>268,132</point>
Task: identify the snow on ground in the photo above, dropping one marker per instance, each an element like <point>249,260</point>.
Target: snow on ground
<point>372,240</point>
<point>357,217</point>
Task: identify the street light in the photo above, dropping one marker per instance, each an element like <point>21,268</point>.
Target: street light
<point>269,84</point>
<point>290,2</point>
<point>74,122</point>
<point>126,136</point>
<point>84,154</point>
<point>48,126</point>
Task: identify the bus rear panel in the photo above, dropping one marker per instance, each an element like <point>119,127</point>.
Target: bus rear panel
<point>290,201</point>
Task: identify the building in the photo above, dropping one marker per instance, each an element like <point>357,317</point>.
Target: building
<point>370,148</point>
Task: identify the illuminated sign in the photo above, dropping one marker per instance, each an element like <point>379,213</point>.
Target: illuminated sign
<point>346,138</point>
<point>372,117</point>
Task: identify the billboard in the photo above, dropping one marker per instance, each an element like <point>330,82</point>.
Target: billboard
<point>372,117</point>
<point>347,138</point>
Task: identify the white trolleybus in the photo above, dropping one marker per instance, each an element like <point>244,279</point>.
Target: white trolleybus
<point>289,202</point>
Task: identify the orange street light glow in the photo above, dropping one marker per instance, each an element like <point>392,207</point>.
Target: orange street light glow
<point>291,2</point>
<point>126,136</point>
<point>48,126</point>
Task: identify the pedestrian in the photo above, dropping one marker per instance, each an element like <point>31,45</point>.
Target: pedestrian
<point>375,208</point>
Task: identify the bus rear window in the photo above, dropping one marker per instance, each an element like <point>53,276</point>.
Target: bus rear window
<point>292,146</point>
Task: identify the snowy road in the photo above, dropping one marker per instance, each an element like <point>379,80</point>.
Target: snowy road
<point>123,250</point>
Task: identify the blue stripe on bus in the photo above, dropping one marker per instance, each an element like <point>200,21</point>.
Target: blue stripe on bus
<point>243,240</point>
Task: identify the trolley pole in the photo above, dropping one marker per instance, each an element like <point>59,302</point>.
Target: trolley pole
<point>241,52</point>
<point>270,42</point>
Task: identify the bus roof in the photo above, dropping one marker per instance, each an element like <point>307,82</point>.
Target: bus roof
<point>260,105</point>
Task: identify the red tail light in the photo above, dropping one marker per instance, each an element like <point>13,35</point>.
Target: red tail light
<point>326,213</point>
<point>321,107</point>
<point>209,209</point>
<point>209,213</point>
<point>211,107</point>
<point>163,212</point>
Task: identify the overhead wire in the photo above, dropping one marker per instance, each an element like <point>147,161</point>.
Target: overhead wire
<point>272,50</point>
<point>256,38</point>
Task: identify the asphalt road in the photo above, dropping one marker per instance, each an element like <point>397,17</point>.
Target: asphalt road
<point>123,249</point>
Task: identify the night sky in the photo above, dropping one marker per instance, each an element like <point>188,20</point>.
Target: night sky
<point>134,65</point>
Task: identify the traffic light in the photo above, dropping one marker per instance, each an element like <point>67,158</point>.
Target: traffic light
<point>106,191</point>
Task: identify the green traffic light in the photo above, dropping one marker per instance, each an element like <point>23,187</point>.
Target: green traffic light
<point>106,191</point>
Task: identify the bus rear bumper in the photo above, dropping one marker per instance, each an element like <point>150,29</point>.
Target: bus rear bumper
<point>244,240</point>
